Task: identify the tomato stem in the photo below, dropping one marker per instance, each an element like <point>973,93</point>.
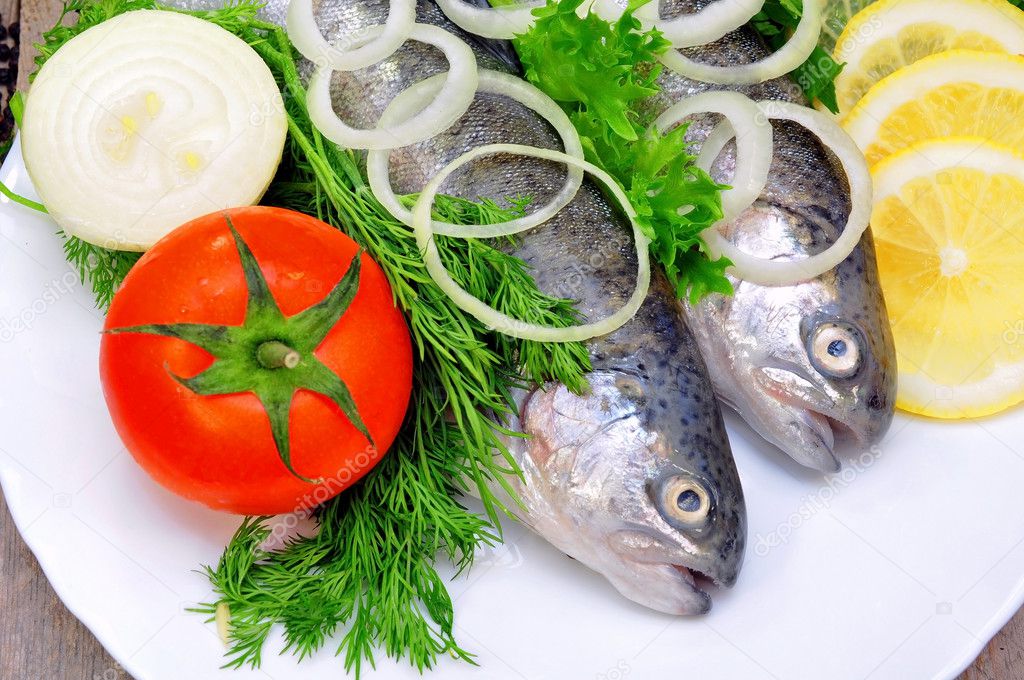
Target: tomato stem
<point>276,354</point>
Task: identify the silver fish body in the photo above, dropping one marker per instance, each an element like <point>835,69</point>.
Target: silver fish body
<point>635,479</point>
<point>805,363</point>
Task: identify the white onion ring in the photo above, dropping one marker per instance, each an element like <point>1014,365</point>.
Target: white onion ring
<point>782,273</point>
<point>310,42</point>
<point>784,60</point>
<point>713,145</point>
<point>500,23</point>
<point>699,28</point>
<point>411,100</point>
<point>754,141</point>
<point>451,102</point>
<point>491,317</point>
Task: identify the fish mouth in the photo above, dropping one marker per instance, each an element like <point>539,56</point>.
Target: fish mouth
<point>696,583</point>
<point>658,579</point>
<point>675,589</point>
<point>816,420</point>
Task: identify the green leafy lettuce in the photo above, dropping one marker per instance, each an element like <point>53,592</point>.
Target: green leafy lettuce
<point>601,73</point>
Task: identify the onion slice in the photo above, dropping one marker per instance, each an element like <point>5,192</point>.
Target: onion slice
<point>781,273</point>
<point>702,27</point>
<point>754,141</point>
<point>501,23</point>
<point>782,61</point>
<point>451,102</point>
<point>491,317</point>
<point>355,52</point>
<point>411,100</point>
<point>147,121</point>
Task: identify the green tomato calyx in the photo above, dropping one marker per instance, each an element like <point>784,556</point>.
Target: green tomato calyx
<point>270,355</point>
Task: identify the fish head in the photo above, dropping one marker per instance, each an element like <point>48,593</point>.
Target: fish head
<point>814,362</point>
<point>647,497</point>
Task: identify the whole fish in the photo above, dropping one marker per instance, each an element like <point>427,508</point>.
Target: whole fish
<point>635,479</point>
<point>808,363</point>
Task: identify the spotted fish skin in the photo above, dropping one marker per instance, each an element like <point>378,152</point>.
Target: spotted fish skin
<point>766,345</point>
<point>635,478</point>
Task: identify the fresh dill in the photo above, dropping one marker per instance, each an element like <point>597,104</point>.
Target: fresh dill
<point>368,575</point>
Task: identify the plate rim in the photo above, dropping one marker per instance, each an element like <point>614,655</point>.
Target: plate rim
<point>96,624</point>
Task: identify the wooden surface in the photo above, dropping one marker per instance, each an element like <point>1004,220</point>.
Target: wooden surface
<point>40,639</point>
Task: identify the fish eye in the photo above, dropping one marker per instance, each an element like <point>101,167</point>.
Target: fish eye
<point>835,349</point>
<point>686,500</point>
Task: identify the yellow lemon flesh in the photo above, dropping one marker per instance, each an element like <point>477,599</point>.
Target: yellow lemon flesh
<point>948,223</point>
<point>891,34</point>
<point>955,93</point>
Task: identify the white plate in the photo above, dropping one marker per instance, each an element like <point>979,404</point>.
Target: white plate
<point>902,566</point>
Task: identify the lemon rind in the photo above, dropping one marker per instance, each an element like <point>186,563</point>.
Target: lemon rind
<point>987,69</point>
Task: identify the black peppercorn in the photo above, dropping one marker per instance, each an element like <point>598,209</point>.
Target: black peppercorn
<point>3,32</point>
<point>15,30</point>
<point>5,53</point>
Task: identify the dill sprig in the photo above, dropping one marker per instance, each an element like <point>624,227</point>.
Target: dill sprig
<point>367,577</point>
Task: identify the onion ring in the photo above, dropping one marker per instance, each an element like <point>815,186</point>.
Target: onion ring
<point>451,102</point>
<point>781,273</point>
<point>491,317</point>
<point>411,100</point>
<point>309,41</point>
<point>500,23</point>
<point>702,27</point>
<point>754,142</point>
<point>782,61</point>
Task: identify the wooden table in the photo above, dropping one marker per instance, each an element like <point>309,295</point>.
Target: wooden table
<point>39,638</point>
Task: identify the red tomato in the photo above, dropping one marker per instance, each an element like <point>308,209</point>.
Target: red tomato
<point>219,450</point>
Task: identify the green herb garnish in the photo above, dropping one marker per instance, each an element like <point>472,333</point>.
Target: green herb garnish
<point>817,75</point>
<point>601,73</point>
<point>369,573</point>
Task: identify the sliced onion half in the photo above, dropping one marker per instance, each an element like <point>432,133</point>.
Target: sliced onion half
<point>502,23</point>
<point>754,141</point>
<point>491,317</point>
<point>349,52</point>
<point>780,273</point>
<point>702,27</point>
<point>451,102</point>
<point>149,120</point>
<point>411,100</point>
<point>782,61</point>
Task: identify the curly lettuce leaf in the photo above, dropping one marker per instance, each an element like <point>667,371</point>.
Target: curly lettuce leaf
<point>601,73</point>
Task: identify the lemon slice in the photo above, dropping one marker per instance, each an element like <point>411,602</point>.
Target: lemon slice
<point>837,15</point>
<point>948,223</point>
<point>955,93</point>
<point>891,34</point>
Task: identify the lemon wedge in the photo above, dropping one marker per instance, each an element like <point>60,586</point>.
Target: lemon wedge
<point>891,34</point>
<point>955,93</point>
<point>948,223</point>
